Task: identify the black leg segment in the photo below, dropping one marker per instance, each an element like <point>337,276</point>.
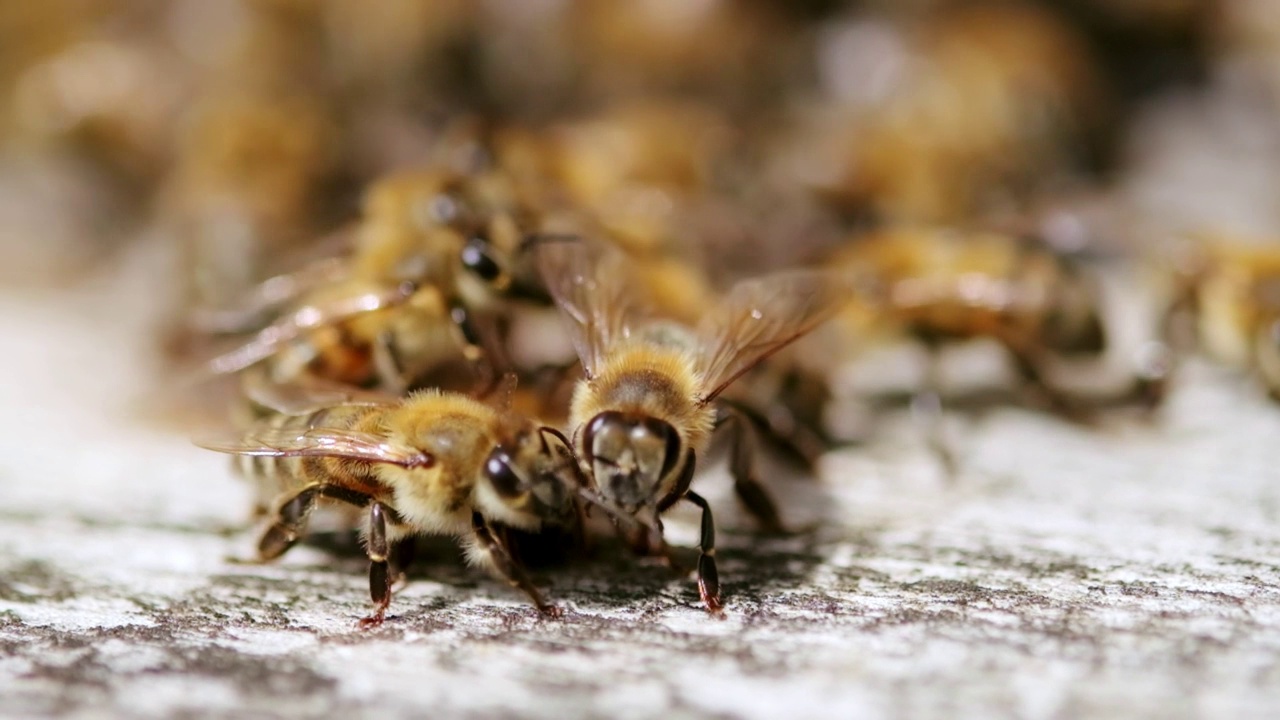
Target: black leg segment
<point>507,566</point>
<point>742,457</point>
<point>379,572</point>
<point>708,576</point>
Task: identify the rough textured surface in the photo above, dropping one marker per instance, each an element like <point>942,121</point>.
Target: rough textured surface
<point>1130,571</point>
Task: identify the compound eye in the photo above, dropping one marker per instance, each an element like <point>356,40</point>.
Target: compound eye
<point>504,478</point>
<point>597,423</point>
<point>476,258</point>
<point>672,440</point>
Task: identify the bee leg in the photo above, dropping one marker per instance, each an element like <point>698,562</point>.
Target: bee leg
<point>403,553</point>
<point>798,442</point>
<point>507,566</point>
<point>754,497</point>
<point>797,418</point>
<point>291,521</point>
<point>708,576</point>
<point>926,408</point>
<point>1041,390</point>
<point>388,367</point>
<point>650,544</point>
<point>379,572</point>
<point>1157,363</point>
<point>1158,360</point>
<point>473,348</point>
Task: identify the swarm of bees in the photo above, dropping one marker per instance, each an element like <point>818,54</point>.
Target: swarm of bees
<point>502,271</point>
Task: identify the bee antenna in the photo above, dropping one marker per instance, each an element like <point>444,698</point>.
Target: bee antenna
<point>558,435</point>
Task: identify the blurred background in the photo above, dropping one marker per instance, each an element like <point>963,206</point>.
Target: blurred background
<point>237,133</point>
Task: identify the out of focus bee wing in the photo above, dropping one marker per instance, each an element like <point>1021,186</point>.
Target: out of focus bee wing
<point>269,340</point>
<point>265,297</point>
<point>760,317</point>
<point>591,285</point>
<point>309,394</point>
<point>319,442</point>
<point>501,395</point>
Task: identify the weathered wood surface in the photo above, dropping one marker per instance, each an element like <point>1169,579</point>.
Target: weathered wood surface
<point>1128,572</point>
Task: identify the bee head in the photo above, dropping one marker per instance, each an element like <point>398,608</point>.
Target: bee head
<point>531,477</point>
<point>629,455</point>
<point>1073,325</point>
<point>479,258</point>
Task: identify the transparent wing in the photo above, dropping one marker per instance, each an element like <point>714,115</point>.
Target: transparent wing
<point>592,287</point>
<point>308,394</point>
<point>266,297</point>
<point>760,317</point>
<point>319,442</point>
<point>269,340</point>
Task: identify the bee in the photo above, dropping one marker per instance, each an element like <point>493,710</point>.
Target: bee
<point>431,463</point>
<point>431,260</point>
<point>637,167</point>
<point>955,115</point>
<point>124,127</point>
<point>736,51</point>
<point>1227,302</point>
<point>941,286</point>
<point>250,174</point>
<point>646,408</point>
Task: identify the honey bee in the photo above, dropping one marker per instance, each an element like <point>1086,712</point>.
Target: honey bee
<point>942,286</point>
<point>938,120</point>
<point>246,187</point>
<point>431,463</point>
<point>647,405</point>
<point>738,51</point>
<point>431,258</point>
<point>1227,299</point>
<point>638,166</point>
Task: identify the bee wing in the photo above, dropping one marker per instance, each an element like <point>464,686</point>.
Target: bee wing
<point>591,286</point>
<point>760,317</point>
<point>309,394</point>
<point>266,297</point>
<point>319,442</point>
<point>269,340</point>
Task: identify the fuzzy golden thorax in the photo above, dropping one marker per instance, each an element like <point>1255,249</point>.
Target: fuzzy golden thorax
<point>457,433</point>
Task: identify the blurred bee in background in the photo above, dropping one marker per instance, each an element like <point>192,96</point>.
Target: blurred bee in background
<point>739,52</point>
<point>89,96</point>
<point>1226,302</point>
<point>941,286</point>
<point>32,34</point>
<point>431,463</point>
<point>251,173</point>
<point>398,55</point>
<point>663,180</point>
<point>946,117</point>
<point>261,164</point>
<point>432,261</point>
<point>112,102</point>
<point>647,406</point>
<point>638,167</point>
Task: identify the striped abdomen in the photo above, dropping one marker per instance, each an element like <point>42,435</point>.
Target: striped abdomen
<point>275,476</point>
